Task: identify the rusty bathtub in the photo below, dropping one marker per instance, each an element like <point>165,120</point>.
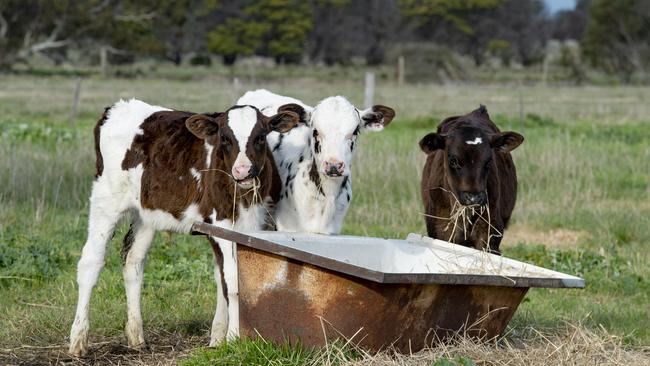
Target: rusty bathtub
<point>405,294</point>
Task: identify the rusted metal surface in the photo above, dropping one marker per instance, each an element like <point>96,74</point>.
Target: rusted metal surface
<point>284,299</point>
<point>286,293</point>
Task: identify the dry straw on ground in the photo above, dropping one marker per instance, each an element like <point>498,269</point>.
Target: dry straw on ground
<point>162,349</point>
<point>574,345</point>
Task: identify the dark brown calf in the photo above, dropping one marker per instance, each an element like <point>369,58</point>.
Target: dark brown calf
<point>469,183</point>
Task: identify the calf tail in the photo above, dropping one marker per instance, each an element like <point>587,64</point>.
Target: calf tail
<point>99,161</point>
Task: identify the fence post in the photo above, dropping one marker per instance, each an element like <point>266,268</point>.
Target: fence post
<point>370,90</point>
<point>75,102</point>
<point>103,60</point>
<point>545,70</point>
<point>236,86</point>
<point>401,69</point>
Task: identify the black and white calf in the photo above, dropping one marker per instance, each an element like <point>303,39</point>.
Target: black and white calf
<point>172,168</point>
<point>315,159</point>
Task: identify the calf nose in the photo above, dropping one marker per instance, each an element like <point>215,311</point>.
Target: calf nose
<point>334,168</point>
<point>473,198</point>
<point>241,171</point>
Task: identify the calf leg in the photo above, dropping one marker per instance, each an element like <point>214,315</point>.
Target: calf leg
<point>220,321</point>
<point>231,276</point>
<point>134,253</point>
<point>226,318</point>
<point>104,214</point>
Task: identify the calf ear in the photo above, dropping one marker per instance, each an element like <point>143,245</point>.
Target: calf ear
<point>432,142</point>
<point>283,121</point>
<point>303,117</point>
<point>506,141</point>
<point>377,117</point>
<point>202,126</point>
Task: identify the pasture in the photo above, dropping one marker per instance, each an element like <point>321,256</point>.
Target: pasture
<point>583,208</point>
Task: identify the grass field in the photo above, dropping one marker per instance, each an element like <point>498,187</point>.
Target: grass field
<point>583,208</point>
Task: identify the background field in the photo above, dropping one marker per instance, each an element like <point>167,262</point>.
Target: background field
<point>583,208</point>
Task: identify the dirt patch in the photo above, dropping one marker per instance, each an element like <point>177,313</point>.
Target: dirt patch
<point>162,349</point>
<point>556,238</point>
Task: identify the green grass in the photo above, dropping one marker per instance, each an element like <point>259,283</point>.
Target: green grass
<point>583,167</point>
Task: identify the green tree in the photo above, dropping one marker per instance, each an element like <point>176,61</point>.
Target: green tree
<point>237,37</point>
<point>451,11</point>
<point>50,27</point>
<point>181,25</point>
<point>617,37</point>
<point>276,28</point>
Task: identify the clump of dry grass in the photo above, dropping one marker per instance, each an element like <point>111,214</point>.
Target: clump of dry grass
<point>463,217</point>
<point>573,345</point>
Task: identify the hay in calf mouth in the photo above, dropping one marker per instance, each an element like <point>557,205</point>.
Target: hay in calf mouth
<point>461,214</point>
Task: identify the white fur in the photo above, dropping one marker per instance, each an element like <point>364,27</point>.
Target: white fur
<point>117,191</point>
<point>133,276</point>
<point>335,119</point>
<point>476,141</point>
<point>226,319</point>
<point>208,154</point>
<point>197,176</point>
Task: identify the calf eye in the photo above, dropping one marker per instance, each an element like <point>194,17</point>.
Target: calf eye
<point>225,140</point>
<point>259,140</point>
<point>453,162</point>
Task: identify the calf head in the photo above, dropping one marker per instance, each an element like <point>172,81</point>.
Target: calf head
<point>469,146</point>
<point>336,125</point>
<point>238,138</point>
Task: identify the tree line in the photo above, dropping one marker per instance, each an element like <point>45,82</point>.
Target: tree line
<point>613,35</point>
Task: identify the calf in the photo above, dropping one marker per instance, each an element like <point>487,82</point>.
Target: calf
<point>469,183</point>
<point>172,168</point>
<point>315,159</point>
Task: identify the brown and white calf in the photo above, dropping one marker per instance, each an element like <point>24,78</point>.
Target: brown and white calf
<point>469,183</point>
<point>172,168</point>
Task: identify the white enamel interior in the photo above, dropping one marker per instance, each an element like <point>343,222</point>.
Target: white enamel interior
<point>416,255</point>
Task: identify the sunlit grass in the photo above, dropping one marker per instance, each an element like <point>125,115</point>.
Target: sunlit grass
<point>583,167</point>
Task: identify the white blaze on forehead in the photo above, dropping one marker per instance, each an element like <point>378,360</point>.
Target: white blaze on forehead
<point>241,121</point>
<point>477,141</point>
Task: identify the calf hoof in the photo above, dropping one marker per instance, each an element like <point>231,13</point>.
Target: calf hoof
<point>233,334</point>
<point>218,334</point>
<point>137,344</point>
<point>135,337</point>
<point>78,347</point>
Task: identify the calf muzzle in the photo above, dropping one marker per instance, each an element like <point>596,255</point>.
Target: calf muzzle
<point>473,198</point>
<point>334,169</point>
